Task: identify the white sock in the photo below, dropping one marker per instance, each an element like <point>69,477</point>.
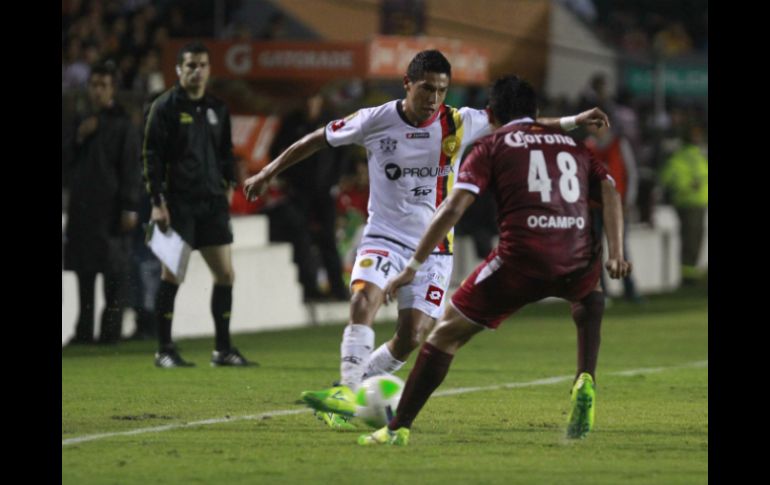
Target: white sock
<point>382,362</point>
<point>357,344</point>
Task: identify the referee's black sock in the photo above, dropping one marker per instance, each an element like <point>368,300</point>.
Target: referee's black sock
<point>221,304</point>
<point>164,312</point>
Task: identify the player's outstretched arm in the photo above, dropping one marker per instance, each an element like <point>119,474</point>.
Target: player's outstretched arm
<point>448,213</point>
<point>616,265</point>
<point>256,185</point>
<point>591,117</point>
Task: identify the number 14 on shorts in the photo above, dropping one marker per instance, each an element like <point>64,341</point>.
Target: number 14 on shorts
<point>378,266</point>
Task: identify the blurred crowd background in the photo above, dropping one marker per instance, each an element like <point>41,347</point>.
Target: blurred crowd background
<point>644,62</point>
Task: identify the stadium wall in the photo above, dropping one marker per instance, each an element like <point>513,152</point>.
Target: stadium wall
<point>267,295</point>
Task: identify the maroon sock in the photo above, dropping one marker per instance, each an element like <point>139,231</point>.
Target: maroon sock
<point>429,371</point>
<point>587,314</point>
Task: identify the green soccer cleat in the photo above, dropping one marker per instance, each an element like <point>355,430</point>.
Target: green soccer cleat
<point>335,421</point>
<point>385,436</point>
<point>583,400</point>
<point>338,400</point>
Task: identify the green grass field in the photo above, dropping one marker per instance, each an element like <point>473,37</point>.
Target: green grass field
<point>651,424</point>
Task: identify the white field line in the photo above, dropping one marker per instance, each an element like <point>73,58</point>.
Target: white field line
<point>447,392</point>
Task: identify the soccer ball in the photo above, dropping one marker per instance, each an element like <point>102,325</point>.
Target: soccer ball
<point>377,399</point>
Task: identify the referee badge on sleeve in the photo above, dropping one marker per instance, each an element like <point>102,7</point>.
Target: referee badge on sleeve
<point>211,116</point>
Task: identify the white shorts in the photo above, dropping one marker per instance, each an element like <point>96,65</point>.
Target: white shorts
<point>378,260</point>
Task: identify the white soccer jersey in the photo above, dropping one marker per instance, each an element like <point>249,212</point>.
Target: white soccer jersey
<point>411,168</point>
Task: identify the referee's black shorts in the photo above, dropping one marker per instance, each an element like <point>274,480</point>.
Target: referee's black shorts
<point>202,221</point>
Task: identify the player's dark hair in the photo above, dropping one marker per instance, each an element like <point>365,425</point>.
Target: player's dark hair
<point>511,97</point>
<point>428,61</point>
<point>195,47</point>
<point>106,68</point>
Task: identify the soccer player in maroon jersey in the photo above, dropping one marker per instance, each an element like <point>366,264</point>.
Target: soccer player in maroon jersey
<point>543,182</point>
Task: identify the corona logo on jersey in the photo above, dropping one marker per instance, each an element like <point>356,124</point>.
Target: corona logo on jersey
<point>434,295</point>
<point>518,139</point>
<point>450,145</point>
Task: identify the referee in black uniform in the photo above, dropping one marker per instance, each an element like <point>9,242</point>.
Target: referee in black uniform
<point>189,171</point>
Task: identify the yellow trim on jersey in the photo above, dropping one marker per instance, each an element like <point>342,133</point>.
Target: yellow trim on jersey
<point>459,129</point>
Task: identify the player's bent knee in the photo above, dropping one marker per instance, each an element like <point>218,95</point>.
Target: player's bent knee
<point>405,342</point>
<point>452,332</point>
<point>414,340</point>
<point>226,278</point>
<point>589,308</point>
<point>359,300</point>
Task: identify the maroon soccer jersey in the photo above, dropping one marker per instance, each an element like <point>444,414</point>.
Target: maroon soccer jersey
<point>542,181</point>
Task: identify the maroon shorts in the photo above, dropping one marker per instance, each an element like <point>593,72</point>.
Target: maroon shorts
<point>495,290</point>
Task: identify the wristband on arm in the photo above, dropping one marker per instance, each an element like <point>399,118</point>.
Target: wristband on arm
<point>413,264</point>
<point>568,123</point>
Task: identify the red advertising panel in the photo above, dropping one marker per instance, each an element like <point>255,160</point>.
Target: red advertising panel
<point>277,60</point>
<point>389,57</point>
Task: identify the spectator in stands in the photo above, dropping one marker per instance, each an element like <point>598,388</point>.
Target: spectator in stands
<point>102,208</point>
<point>309,188</point>
<point>75,73</point>
<point>614,152</point>
<point>685,178</point>
<point>352,199</point>
<point>114,39</point>
<point>177,25</point>
<point>286,224</point>
<point>144,279</point>
<point>673,40</point>
<point>149,79</point>
<point>480,222</point>
<point>275,29</point>
<point>595,93</point>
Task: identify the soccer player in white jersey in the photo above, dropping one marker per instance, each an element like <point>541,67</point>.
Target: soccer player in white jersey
<point>413,148</point>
